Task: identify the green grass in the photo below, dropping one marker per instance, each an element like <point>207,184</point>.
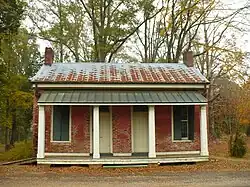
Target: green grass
<point>21,150</point>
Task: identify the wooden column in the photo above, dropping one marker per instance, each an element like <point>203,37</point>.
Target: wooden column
<point>151,131</point>
<point>96,129</point>
<point>203,131</point>
<point>41,133</point>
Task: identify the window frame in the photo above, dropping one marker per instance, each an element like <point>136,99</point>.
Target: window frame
<point>52,125</point>
<point>186,139</point>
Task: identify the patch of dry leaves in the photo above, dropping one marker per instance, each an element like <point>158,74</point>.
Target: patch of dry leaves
<point>212,165</point>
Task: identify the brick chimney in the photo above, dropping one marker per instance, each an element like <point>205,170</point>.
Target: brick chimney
<point>188,58</point>
<point>49,56</point>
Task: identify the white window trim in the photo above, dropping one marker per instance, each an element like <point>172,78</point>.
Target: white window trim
<point>51,126</point>
<point>172,129</point>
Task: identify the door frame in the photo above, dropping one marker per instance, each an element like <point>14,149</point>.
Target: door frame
<point>91,129</point>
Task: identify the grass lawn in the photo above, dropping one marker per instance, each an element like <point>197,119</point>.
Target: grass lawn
<point>21,150</point>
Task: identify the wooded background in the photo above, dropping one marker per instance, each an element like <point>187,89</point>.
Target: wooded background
<point>124,31</point>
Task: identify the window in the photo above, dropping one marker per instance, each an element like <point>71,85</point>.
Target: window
<point>61,123</point>
<point>183,122</point>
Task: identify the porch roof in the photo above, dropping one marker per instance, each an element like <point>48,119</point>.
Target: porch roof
<point>90,97</point>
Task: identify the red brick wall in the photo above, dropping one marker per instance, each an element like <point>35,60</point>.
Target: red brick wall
<point>80,135</point>
<point>121,122</point>
<point>163,129</point>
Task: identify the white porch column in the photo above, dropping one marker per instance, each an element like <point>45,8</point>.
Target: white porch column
<point>203,131</point>
<point>41,133</point>
<point>96,151</point>
<point>151,131</point>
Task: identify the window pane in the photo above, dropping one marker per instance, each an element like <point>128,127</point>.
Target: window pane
<point>184,129</point>
<point>177,122</point>
<point>184,112</point>
<point>61,123</point>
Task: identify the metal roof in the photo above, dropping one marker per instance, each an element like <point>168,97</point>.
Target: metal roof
<point>114,97</point>
<point>118,73</point>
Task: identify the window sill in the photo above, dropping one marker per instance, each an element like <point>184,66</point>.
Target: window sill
<point>60,141</point>
<point>182,141</point>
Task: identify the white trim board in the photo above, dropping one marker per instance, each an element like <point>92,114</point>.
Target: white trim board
<point>177,153</point>
<point>122,154</point>
<point>67,154</point>
<point>51,85</point>
<point>121,104</point>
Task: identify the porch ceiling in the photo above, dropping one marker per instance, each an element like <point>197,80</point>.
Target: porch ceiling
<point>121,97</point>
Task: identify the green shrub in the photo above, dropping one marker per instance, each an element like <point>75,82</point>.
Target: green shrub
<point>248,130</point>
<point>238,147</point>
<point>21,150</point>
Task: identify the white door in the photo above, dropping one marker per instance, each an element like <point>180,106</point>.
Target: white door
<point>140,132</point>
<point>105,135</point>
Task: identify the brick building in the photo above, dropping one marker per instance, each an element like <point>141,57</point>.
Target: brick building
<point>106,113</point>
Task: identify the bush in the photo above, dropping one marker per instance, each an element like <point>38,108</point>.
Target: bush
<point>248,130</point>
<point>238,147</point>
<point>21,150</point>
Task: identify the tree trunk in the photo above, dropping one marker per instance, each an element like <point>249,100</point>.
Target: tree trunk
<point>6,139</point>
<point>14,129</point>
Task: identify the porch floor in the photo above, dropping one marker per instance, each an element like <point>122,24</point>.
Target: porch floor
<point>85,160</point>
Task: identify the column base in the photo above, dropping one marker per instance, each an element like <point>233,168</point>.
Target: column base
<point>96,155</point>
<point>204,154</point>
<point>152,155</point>
<point>40,156</point>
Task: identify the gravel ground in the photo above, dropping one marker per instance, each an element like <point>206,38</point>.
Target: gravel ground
<point>227,179</point>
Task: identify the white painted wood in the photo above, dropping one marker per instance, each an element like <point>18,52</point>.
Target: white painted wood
<point>201,86</point>
<point>121,104</point>
<point>203,131</point>
<point>105,136</point>
<point>140,132</point>
<point>67,154</point>
<point>151,131</point>
<point>122,154</point>
<point>96,151</point>
<point>178,153</point>
<point>41,132</point>
<point>128,160</point>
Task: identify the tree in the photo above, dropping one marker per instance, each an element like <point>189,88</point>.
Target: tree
<point>11,13</point>
<point>19,57</point>
<point>113,23</point>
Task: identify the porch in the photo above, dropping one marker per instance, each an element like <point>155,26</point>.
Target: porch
<point>181,157</point>
<point>139,116</point>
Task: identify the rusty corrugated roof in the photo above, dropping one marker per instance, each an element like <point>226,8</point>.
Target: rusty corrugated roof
<point>118,73</point>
